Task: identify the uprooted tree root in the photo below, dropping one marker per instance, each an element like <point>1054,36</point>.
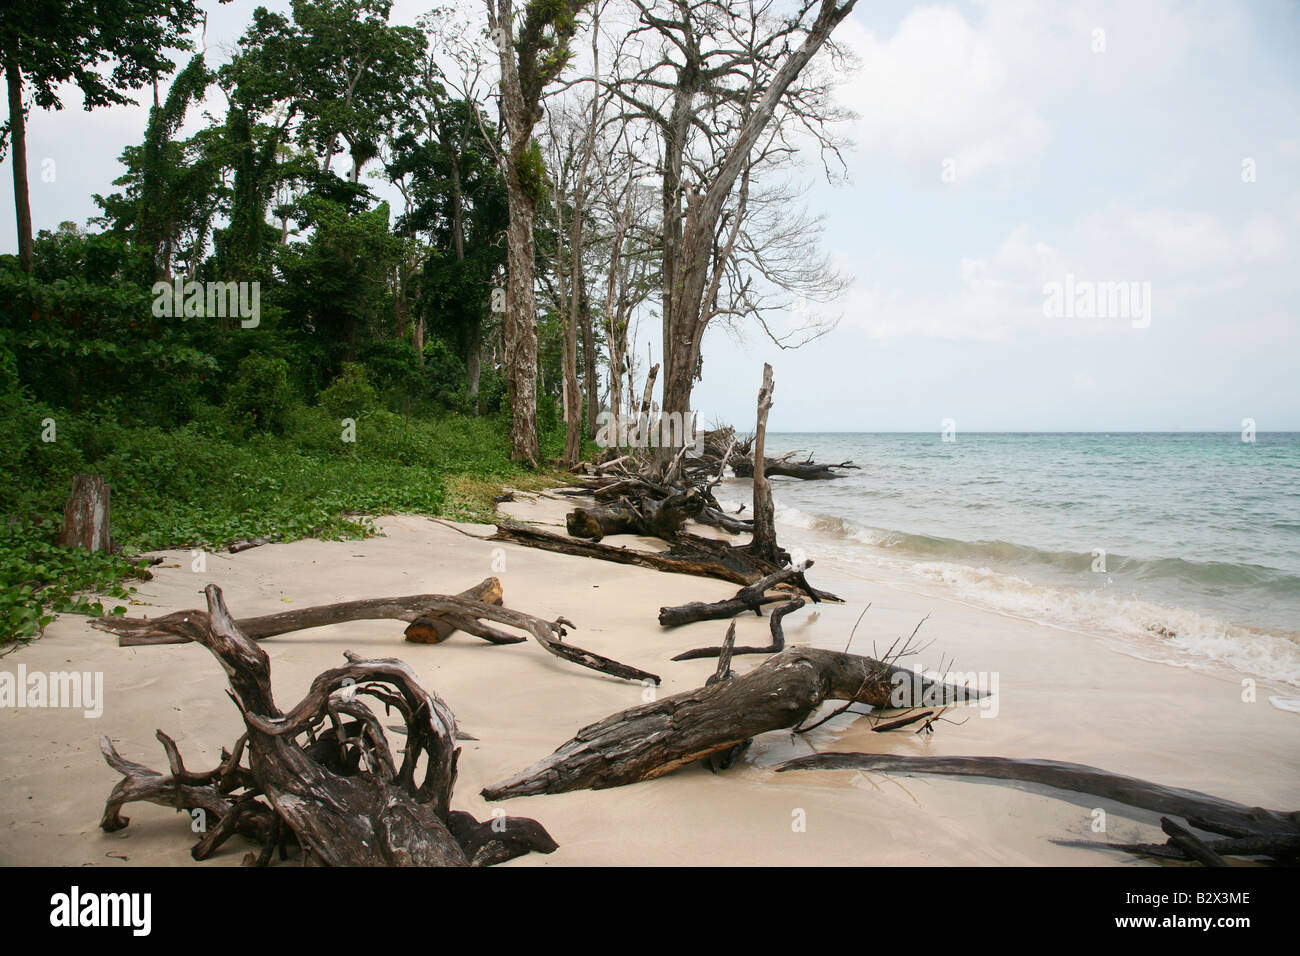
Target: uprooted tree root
<point>321,778</point>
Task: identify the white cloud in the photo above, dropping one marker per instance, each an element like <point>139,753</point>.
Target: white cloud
<point>985,92</point>
<point>938,90</point>
<point>1190,259</point>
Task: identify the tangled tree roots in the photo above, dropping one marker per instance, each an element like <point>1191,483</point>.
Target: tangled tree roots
<point>322,777</point>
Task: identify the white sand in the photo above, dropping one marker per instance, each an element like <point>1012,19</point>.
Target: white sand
<point>1063,695</point>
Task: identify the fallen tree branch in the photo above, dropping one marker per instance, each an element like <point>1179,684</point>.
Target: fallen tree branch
<point>655,738</point>
<point>776,647</point>
<point>1201,810</point>
<point>427,613</point>
<point>750,598</point>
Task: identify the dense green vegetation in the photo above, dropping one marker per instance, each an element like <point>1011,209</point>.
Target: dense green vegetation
<point>355,366</point>
<point>209,436</point>
<point>241,469</point>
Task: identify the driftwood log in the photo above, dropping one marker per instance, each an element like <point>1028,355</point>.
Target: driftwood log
<point>806,470</point>
<point>247,543</point>
<point>655,738</point>
<point>775,647</point>
<point>321,777</point>
<point>428,614</point>
<point>1253,830</point>
<point>750,598</point>
<point>688,555</point>
<point>657,518</point>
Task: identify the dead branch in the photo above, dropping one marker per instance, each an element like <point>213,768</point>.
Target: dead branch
<point>655,738</point>
<point>428,614</point>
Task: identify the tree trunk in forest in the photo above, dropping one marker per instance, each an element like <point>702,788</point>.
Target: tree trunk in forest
<point>530,59</point>
<point>18,156</point>
<point>590,382</point>
<point>86,515</point>
<point>615,338</point>
<point>474,359</point>
<point>521,321</point>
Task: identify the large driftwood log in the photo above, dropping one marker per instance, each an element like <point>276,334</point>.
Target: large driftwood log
<point>657,518</point>
<point>86,515</point>
<point>686,557</point>
<point>805,470</point>
<point>321,777</point>
<point>655,738</point>
<point>1201,810</point>
<point>445,610</point>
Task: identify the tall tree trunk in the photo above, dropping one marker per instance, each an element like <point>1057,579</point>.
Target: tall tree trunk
<point>474,359</point>
<point>572,394</point>
<point>521,322</point>
<point>591,384</point>
<point>18,140</point>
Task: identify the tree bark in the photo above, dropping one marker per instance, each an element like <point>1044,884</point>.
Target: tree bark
<point>340,796</point>
<point>656,738</point>
<point>521,324</point>
<point>18,155</point>
<point>86,515</point>
<point>764,543</point>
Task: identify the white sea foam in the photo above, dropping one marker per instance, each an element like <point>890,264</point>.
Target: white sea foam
<point>1170,635</point>
<point>1146,629</point>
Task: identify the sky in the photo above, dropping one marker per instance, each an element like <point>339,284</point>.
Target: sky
<point>1005,153</point>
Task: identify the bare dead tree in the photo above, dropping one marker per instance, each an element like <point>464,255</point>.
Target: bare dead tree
<point>723,86</point>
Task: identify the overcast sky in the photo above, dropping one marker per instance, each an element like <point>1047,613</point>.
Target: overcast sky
<point>1000,147</point>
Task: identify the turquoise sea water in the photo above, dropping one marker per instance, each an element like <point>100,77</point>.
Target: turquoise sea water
<point>1188,543</point>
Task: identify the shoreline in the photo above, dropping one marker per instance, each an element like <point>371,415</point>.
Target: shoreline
<point>1169,725</point>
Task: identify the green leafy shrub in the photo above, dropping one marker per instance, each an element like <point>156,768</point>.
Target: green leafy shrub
<point>350,394</point>
<point>260,397</point>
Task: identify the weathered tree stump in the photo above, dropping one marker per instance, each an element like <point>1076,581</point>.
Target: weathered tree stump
<point>435,628</point>
<point>86,515</point>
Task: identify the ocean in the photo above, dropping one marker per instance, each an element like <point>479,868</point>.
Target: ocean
<point>1181,547</point>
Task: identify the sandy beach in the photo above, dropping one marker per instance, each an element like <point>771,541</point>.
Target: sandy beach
<point>1061,695</point>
